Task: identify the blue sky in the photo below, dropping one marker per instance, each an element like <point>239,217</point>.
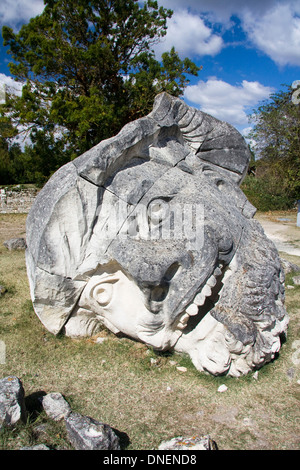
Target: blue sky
<point>248,49</point>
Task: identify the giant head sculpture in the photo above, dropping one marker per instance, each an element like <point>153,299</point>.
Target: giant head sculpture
<point>149,234</point>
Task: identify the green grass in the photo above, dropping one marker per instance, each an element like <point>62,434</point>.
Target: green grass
<point>138,392</point>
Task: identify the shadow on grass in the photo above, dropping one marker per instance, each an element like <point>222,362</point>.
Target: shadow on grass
<point>33,403</point>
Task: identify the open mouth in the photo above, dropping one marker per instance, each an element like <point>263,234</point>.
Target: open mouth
<point>202,303</point>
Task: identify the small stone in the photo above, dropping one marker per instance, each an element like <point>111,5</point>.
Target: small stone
<point>40,431</point>
<point>289,267</point>
<point>172,363</point>
<point>255,375</point>
<point>290,373</point>
<point>100,340</point>
<point>222,388</point>
<point>15,244</point>
<point>181,369</point>
<point>296,280</point>
<point>55,406</point>
<point>37,447</point>
<point>189,443</point>
<point>2,290</point>
<point>248,422</point>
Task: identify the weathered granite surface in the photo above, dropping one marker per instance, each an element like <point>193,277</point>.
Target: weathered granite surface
<point>55,406</point>
<point>86,433</point>
<point>12,404</point>
<point>149,234</point>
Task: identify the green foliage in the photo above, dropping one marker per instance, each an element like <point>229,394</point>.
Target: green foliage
<point>277,136</point>
<point>88,68</point>
<point>266,194</point>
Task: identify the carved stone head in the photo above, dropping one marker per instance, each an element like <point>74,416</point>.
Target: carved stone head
<point>149,234</point>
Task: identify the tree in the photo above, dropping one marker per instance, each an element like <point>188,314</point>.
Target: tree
<point>276,134</point>
<point>88,69</point>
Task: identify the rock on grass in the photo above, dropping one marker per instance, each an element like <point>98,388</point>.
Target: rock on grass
<point>86,433</point>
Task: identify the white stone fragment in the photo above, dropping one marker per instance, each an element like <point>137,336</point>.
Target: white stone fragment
<point>55,406</point>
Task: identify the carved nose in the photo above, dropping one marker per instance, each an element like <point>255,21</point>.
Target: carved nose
<point>158,293</point>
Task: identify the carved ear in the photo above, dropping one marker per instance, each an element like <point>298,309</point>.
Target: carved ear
<point>97,296</point>
<point>98,292</point>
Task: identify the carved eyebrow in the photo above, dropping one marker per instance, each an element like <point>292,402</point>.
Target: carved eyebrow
<point>166,198</point>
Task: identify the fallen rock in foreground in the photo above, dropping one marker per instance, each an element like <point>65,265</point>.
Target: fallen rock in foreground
<point>12,404</point>
<point>86,433</point>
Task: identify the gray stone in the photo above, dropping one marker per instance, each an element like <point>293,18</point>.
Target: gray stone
<point>296,280</point>
<point>149,234</point>
<point>55,406</point>
<point>36,447</point>
<point>15,244</point>
<point>289,267</point>
<point>86,433</point>
<point>12,404</point>
<point>2,290</point>
<point>189,443</point>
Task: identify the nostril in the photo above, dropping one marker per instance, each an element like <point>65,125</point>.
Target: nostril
<point>171,271</point>
<point>159,293</point>
<point>155,294</point>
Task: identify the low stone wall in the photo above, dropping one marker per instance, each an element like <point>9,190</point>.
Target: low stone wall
<point>16,199</point>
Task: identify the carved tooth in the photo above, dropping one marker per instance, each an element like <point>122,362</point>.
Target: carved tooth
<point>199,299</point>
<point>212,281</point>
<point>217,272</point>
<point>192,309</point>
<point>184,319</point>
<point>206,291</point>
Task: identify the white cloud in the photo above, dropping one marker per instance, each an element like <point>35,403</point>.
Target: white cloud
<point>222,10</point>
<point>227,102</point>
<point>272,26</point>
<point>190,36</point>
<point>277,33</point>
<point>15,13</point>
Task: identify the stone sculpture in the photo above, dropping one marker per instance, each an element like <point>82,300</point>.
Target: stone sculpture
<point>149,234</point>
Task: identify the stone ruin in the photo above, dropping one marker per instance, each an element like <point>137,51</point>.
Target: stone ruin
<point>149,234</point>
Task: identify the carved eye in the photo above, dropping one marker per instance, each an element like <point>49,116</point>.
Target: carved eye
<point>157,211</point>
<point>103,293</point>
